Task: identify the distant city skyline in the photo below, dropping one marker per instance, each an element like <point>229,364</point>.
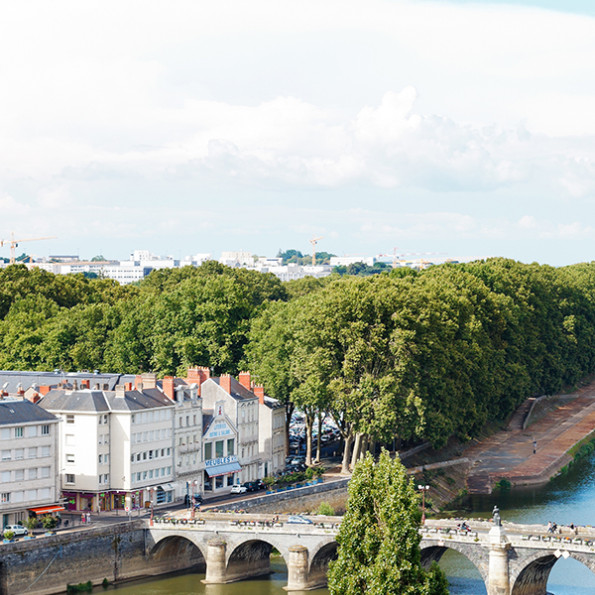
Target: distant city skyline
<point>451,127</point>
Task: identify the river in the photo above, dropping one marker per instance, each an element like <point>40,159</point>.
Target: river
<point>568,499</point>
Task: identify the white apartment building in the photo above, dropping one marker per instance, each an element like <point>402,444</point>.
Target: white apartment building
<point>28,449</point>
<point>230,438</point>
<point>271,433</point>
<point>116,447</point>
<point>188,428</point>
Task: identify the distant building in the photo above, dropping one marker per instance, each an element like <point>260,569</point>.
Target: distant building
<point>271,433</point>
<point>28,471</point>
<point>338,261</point>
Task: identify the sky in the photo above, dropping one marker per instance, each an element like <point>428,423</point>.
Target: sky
<point>437,128</point>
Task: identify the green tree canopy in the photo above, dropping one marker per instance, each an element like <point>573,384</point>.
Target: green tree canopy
<point>379,552</point>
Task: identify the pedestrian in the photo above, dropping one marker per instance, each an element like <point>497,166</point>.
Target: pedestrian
<point>82,517</point>
<point>88,517</point>
<point>534,446</point>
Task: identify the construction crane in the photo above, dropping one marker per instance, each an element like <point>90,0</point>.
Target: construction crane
<point>314,241</point>
<point>14,244</point>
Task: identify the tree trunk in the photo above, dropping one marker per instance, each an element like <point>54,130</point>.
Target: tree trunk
<point>319,439</point>
<point>372,447</point>
<point>289,408</point>
<point>356,449</point>
<point>309,423</point>
<point>364,447</point>
<point>346,453</point>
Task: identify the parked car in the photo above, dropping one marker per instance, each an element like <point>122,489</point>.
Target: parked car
<point>18,530</point>
<point>260,485</point>
<point>298,520</point>
<point>250,486</point>
<point>238,489</point>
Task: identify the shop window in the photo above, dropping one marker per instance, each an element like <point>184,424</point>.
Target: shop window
<point>70,478</point>
<point>218,482</point>
<point>230,446</point>
<point>230,480</point>
<point>208,453</point>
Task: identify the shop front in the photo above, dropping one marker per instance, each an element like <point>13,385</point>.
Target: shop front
<point>221,473</point>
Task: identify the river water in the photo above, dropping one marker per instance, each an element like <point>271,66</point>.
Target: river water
<point>569,499</point>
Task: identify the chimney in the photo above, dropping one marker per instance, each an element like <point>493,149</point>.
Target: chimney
<point>138,383</point>
<point>225,383</point>
<point>86,383</point>
<point>259,392</point>
<point>168,387</point>
<point>244,379</point>
<point>44,390</point>
<point>149,380</point>
<point>128,386</point>
<point>120,390</point>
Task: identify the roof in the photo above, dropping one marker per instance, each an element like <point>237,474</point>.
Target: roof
<point>272,403</point>
<point>22,412</point>
<point>26,379</point>
<point>238,392</point>
<point>86,400</point>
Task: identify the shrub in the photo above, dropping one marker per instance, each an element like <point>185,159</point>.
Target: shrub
<point>325,509</point>
<point>9,535</point>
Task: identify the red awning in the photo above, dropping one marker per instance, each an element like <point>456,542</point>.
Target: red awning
<point>46,509</point>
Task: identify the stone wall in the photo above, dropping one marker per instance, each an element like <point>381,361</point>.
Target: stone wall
<point>47,564</point>
<point>297,500</point>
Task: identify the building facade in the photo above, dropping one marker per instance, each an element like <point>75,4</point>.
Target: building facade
<point>28,451</point>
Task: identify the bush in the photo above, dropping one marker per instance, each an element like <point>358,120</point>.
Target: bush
<point>325,509</point>
<point>48,522</point>
<point>9,535</point>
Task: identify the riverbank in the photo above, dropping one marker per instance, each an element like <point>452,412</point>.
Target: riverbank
<point>539,442</point>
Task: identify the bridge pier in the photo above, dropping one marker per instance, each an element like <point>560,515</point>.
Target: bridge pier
<point>216,567</point>
<point>498,574</point>
<point>297,569</point>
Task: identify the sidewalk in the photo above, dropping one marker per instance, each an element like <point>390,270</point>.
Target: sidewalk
<point>509,454</point>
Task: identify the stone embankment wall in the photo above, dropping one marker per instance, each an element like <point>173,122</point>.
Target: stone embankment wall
<point>297,500</point>
<point>47,564</point>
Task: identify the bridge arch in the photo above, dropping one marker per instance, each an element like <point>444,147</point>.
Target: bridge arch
<point>320,558</point>
<point>251,557</point>
<point>432,552</point>
<point>530,573</point>
<point>177,552</point>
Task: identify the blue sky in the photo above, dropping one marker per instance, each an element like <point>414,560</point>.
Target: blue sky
<point>460,129</point>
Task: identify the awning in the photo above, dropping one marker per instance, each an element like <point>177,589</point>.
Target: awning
<point>46,509</point>
<point>166,487</point>
<point>218,470</point>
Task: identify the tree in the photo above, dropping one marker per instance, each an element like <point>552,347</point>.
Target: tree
<point>379,551</point>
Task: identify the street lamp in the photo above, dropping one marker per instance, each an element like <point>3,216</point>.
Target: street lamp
<point>151,502</point>
<point>423,490</point>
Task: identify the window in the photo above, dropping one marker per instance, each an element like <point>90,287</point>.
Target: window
<point>106,459</point>
<point>69,440</point>
<point>70,458</point>
<point>5,476</point>
<point>133,418</point>
<point>100,459</point>
<point>33,473</point>
<point>70,419</point>
<point>31,431</point>
<point>70,478</point>
<point>43,493</point>
<point>6,455</point>
<point>19,475</point>
<point>5,434</point>
<point>45,430</point>
<point>18,432</point>
<point>106,478</point>
<point>31,495</point>
<point>32,453</point>
<point>208,451</point>
<point>19,453</point>
<point>44,472</point>
<point>5,497</point>
<point>230,447</point>
<point>18,496</point>
<point>45,451</point>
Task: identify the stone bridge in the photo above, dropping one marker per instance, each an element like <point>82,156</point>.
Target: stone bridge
<point>512,559</point>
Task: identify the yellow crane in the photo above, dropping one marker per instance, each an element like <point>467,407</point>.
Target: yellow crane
<point>314,241</point>
<point>14,243</point>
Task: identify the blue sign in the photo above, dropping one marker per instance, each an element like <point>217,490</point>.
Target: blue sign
<point>221,461</point>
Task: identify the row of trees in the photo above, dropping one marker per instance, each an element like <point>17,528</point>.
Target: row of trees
<point>407,355</point>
